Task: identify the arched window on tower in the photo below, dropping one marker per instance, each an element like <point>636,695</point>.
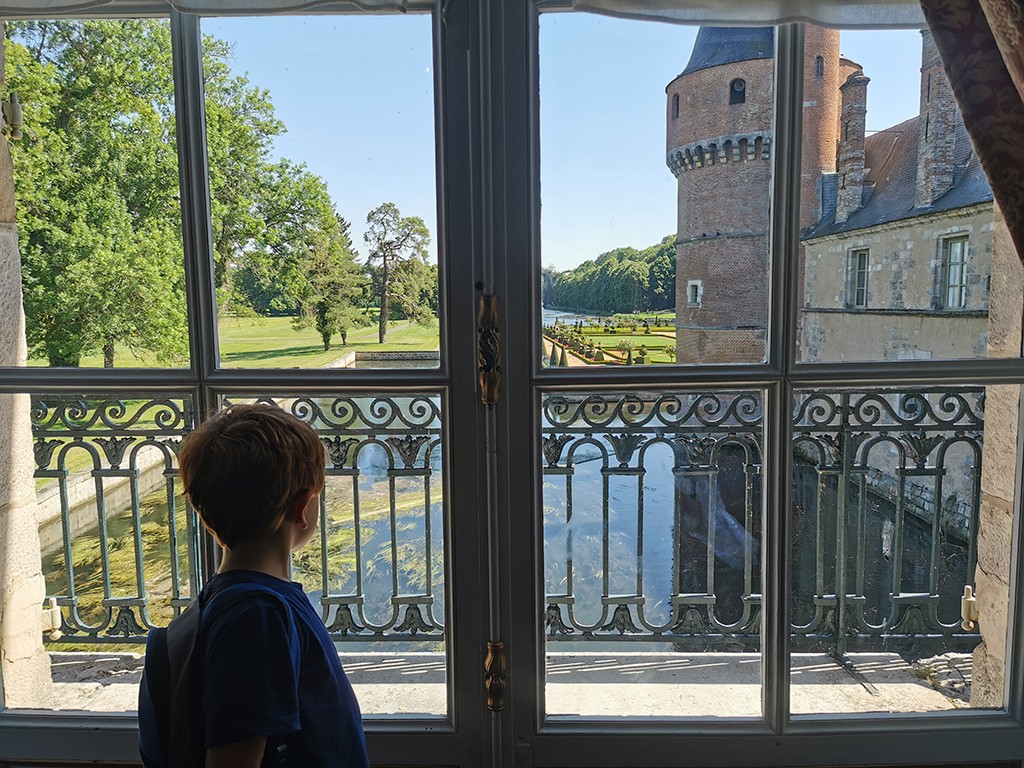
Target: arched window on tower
<point>819,66</point>
<point>737,91</point>
<point>675,106</point>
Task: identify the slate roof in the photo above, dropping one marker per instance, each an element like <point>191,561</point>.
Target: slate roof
<point>715,46</point>
<point>891,184</point>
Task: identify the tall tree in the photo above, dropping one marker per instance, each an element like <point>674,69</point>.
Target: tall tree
<point>97,194</point>
<point>96,188</point>
<point>394,240</point>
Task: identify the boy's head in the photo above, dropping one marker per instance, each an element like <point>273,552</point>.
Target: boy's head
<point>243,467</point>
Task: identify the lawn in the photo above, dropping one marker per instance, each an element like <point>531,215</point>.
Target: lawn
<point>272,342</point>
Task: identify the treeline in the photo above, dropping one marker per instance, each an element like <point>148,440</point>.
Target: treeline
<point>620,281</point>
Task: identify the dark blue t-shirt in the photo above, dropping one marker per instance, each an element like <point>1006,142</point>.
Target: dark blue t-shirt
<point>256,684</point>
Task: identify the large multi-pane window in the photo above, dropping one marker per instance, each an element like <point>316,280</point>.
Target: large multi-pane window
<point>715,512</point>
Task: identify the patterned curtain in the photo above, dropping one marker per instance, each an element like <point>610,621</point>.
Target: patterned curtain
<point>982,47</point>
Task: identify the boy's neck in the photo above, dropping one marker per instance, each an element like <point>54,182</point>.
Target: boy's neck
<point>267,557</point>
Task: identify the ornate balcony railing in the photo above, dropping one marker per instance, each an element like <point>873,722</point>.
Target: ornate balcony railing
<point>653,511</point>
<point>652,517</point>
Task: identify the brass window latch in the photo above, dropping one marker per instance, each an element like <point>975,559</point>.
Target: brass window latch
<point>489,349</point>
<point>494,676</point>
<point>968,608</point>
<point>52,620</point>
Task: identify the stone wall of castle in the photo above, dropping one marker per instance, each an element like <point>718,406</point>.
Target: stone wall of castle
<point>904,318</point>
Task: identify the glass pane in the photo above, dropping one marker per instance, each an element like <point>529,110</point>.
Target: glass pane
<point>652,551</point>
<point>97,194</point>
<point>119,545</point>
<point>902,498</point>
<point>323,190</point>
<point>377,571</point>
<point>903,182</point>
<point>654,221</point>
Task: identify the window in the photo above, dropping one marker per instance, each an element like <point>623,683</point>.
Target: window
<point>675,106</point>
<point>819,66</point>
<point>694,292</point>
<point>859,278</point>
<point>740,524</point>
<point>737,91</point>
<point>954,262</point>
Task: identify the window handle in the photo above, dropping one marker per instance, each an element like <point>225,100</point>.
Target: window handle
<point>489,349</point>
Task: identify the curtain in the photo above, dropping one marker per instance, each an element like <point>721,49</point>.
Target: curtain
<point>846,13</point>
<point>836,13</point>
<point>981,43</point>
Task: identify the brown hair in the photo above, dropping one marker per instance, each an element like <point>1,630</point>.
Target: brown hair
<point>242,468</point>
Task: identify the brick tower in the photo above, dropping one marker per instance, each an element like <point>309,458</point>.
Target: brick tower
<point>719,147</point>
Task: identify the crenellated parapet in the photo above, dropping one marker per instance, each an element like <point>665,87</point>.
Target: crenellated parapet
<point>733,148</point>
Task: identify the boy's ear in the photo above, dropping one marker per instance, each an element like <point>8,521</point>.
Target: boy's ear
<point>297,509</point>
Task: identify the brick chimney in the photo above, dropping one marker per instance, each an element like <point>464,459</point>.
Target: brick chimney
<point>936,127</point>
<point>850,160</point>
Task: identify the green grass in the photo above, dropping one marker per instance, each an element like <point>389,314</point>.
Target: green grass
<point>272,342</point>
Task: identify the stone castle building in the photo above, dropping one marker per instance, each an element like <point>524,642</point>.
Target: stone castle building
<point>896,227</point>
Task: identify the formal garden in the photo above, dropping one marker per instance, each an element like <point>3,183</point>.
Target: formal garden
<point>632,339</point>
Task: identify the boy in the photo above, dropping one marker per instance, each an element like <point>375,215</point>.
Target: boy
<point>272,690</point>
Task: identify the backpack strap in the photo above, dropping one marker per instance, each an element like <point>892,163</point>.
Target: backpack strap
<point>154,701</point>
<point>185,745</point>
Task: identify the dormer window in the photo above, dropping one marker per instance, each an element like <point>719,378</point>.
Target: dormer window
<point>737,91</point>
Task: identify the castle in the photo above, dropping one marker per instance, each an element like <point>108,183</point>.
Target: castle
<point>896,227</point>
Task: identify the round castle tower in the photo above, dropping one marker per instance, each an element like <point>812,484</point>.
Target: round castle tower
<point>719,147</point>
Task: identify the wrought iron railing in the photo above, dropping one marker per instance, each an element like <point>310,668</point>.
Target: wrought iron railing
<point>376,570</point>
<point>886,494</point>
<point>652,518</point>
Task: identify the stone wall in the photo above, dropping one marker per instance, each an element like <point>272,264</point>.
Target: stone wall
<point>904,287</point>
<point>999,475</point>
<point>24,664</point>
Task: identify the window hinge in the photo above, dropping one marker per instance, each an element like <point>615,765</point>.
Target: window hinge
<point>489,349</point>
<point>52,619</point>
<point>494,676</point>
<point>968,608</point>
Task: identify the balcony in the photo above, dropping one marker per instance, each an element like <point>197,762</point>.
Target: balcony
<point>652,520</point>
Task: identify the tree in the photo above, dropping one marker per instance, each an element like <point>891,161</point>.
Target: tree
<point>394,241</point>
<point>332,282</point>
<point>97,193</point>
<point>96,189</point>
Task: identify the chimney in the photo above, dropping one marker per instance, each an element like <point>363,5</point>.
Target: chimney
<point>850,161</point>
<point>936,127</point>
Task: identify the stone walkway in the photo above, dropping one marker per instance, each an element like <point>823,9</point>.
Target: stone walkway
<point>595,684</point>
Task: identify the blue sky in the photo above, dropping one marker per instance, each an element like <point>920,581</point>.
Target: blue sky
<point>357,95</point>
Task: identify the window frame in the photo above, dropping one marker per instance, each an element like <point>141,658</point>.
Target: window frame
<point>694,293</point>
<point>505,79</point>
<point>947,243</point>
<point>737,95</point>
<point>66,736</point>
<point>857,288</point>
<point>780,738</point>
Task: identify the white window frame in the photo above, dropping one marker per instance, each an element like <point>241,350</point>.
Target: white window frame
<point>859,270</point>
<point>694,293</point>
<point>955,257</point>
<point>781,738</point>
<point>504,258</point>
